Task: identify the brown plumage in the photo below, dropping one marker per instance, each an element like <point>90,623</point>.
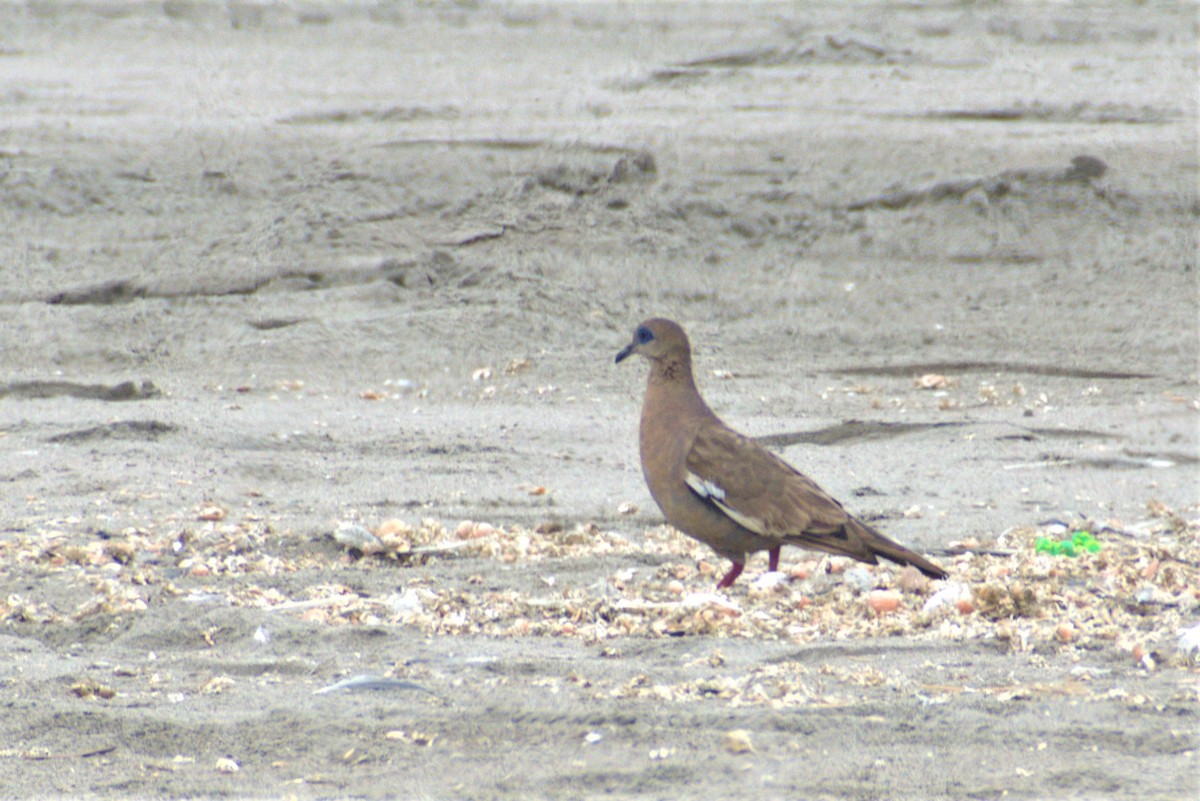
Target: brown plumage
<point>726,490</point>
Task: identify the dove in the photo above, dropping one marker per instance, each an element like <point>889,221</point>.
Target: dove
<point>723,488</point>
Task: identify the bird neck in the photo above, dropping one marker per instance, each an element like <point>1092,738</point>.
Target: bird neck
<point>671,384</point>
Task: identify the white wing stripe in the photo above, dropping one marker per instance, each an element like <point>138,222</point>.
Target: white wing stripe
<point>704,488</point>
<point>713,492</point>
<point>752,523</point>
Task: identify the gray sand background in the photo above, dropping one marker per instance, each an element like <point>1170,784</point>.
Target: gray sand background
<point>372,261</point>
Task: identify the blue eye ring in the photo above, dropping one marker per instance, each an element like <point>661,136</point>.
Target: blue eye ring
<point>643,335</point>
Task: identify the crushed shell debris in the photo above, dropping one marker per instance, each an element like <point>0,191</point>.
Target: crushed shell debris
<point>1137,597</point>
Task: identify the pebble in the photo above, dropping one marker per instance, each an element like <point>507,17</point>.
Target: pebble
<point>882,601</point>
<point>770,580</point>
<point>355,536</point>
<point>1189,642</point>
<point>738,742</point>
<point>370,682</point>
<point>859,578</point>
<point>952,595</point>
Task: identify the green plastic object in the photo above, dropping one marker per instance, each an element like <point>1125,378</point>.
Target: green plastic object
<point>1080,541</point>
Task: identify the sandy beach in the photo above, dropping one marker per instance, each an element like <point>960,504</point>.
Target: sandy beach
<point>318,479</point>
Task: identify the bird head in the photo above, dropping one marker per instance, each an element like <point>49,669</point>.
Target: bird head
<point>657,340</point>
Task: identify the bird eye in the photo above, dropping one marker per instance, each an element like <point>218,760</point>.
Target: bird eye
<point>644,335</point>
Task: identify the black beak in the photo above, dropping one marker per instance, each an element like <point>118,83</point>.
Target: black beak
<point>625,351</point>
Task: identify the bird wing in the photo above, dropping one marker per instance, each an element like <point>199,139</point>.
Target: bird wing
<point>760,491</point>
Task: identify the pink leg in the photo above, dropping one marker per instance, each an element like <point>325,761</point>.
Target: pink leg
<point>774,556</point>
<point>731,576</point>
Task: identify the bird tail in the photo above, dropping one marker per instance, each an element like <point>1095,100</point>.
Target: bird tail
<point>878,545</point>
